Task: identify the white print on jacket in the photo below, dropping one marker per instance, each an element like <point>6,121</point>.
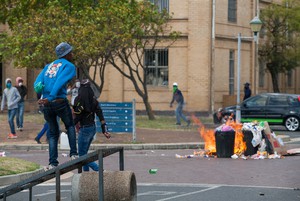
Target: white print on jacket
<point>52,70</point>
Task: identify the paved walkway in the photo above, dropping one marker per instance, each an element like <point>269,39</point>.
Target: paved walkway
<point>180,137</point>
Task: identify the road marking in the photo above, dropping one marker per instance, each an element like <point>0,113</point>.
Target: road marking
<point>187,194</point>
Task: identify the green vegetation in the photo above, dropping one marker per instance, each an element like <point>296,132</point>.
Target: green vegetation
<point>10,166</point>
<point>164,122</point>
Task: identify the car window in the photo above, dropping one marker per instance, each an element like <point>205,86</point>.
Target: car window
<point>257,101</point>
<point>278,100</point>
<point>294,101</point>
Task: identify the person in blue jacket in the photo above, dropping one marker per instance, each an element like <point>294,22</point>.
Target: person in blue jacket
<point>52,83</point>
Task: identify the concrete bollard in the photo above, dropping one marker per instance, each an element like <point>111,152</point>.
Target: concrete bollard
<point>118,185</point>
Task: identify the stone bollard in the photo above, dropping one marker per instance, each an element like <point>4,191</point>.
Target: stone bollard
<point>118,185</point>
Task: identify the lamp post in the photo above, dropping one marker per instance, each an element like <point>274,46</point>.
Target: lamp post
<point>255,26</point>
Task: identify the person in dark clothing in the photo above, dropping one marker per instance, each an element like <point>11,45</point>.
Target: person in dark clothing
<point>247,91</point>
<point>21,105</point>
<point>178,97</point>
<point>85,107</point>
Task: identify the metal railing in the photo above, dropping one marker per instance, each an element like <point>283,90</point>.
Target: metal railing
<point>64,168</point>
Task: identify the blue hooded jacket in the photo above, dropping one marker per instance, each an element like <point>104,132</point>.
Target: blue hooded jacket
<point>55,77</point>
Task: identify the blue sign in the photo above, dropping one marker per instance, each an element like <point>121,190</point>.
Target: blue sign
<point>118,116</point>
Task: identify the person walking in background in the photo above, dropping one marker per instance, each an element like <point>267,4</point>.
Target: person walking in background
<point>44,130</point>
<point>85,108</point>
<point>52,82</point>
<point>21,105</point>
<point>74,93</point>
<point>247,91</point>
<point>178,97</point>
<point>11,97</point>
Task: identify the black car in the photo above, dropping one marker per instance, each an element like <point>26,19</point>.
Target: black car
<point>275,108</point>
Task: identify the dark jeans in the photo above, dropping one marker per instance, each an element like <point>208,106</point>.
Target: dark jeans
<point>44,130</point>
<point>85,138</point>
<point>62,110</point>
<point>11,115</point>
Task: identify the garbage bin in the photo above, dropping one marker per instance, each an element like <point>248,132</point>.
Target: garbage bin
<point>224,143</point>
<point>248,136</point>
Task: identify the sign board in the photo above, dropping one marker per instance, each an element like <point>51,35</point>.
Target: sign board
<point>119,117</point>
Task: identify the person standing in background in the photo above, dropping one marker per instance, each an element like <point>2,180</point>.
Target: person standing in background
<point>74,93</point>
<point>178,97</point>
<point>52,83</point>
<point>21,105</point>
<point>247,91</point>
<point>11,97</point>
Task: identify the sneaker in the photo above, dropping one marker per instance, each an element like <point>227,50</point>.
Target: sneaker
<point>18,128</point>
<point>37,140</point>
<point>12,136</point>
<point>74,157</point>
<point>50,167</point>
<point>21,129</point>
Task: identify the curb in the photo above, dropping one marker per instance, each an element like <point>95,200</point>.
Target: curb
<point>146,146</point>
<point>150,146</point>
<point>11,179</point>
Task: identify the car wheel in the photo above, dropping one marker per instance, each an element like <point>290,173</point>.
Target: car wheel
<point>292,123</point>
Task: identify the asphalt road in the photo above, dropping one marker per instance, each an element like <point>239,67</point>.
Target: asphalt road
<point>190,178</point>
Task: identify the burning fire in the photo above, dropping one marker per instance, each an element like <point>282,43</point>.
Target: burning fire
<point>208,135</point>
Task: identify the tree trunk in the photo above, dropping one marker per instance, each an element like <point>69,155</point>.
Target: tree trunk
<point>274,76</point>
<point>148,109</point>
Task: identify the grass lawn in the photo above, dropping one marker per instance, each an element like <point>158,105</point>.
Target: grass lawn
<point>10,166</point>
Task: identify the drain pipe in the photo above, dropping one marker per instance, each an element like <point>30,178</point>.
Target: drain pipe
<point>212,59</point>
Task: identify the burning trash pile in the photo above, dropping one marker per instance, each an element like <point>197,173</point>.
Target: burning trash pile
<point>234,140</point>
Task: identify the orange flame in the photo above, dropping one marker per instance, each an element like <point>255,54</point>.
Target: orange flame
<point>208,135</point>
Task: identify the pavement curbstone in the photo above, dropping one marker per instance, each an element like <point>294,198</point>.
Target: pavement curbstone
<point>11,179</point>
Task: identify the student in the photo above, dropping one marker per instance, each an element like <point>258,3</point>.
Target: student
<point>21,105</point>
<point>11,97</point>
<point>178,97</point>
<point>85,108</point>
<point>52,82</point>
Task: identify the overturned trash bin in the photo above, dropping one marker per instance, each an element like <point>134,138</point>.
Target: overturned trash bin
<point>225,143</point>
<point>118,185</point>
<point>250,150</point>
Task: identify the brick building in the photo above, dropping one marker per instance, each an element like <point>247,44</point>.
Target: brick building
<point>203,61</point>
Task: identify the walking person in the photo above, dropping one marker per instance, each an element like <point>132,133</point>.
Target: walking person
<point>247,91</point>
<point>21,105</point>
<point>44,130</point>
<point>11,97</point>
<point>178,97</point>
<point>85,108</point>
<point>52,82</point>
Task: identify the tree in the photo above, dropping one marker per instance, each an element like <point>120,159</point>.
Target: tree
<point>115,31</point>
<point>280,49</point>
<point>148,29</point>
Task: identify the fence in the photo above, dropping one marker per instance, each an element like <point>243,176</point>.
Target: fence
<point>62,169</point>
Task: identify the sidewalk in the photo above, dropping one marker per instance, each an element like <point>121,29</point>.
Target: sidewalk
<point>180,137</point>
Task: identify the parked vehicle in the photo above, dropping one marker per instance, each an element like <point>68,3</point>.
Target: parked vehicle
<point>275,108</point>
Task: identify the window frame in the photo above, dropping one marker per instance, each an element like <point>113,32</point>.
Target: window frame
<point>157,67</point>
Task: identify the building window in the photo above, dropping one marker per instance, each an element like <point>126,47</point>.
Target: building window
<point>232,10</point>
<point>156,64</point>
<point>161,4</point>
<point>261,81</point>
<point>231,72</point>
